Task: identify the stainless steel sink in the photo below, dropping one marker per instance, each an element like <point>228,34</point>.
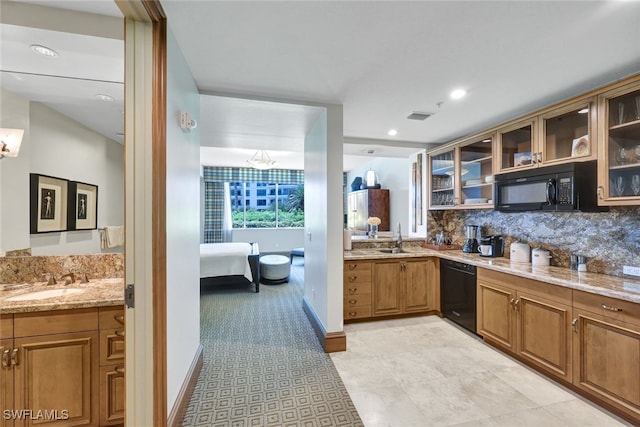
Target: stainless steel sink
<point>392,251</point>
<point>48,293</point>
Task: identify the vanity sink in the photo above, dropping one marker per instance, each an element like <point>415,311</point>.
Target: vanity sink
<point>49,293</point>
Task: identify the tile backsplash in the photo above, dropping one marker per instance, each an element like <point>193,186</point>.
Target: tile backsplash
<point>609,239</point>
<point>18,269</point>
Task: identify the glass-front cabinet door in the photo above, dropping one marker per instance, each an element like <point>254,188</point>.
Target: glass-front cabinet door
<point>516,146</point>
<point>476,173</point>
<point>619,160</point>
<point>442,180</point>
<point>567,133</point>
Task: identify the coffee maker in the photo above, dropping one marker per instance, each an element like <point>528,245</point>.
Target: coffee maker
<point>491,246</point>
<point>471,244</point>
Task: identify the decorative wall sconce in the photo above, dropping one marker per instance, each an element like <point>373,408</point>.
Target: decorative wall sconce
<point>10,141</point>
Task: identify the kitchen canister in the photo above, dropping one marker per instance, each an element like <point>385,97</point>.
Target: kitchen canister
<point>540,256</point>
<point>346,235</point>
<point>519,252</point>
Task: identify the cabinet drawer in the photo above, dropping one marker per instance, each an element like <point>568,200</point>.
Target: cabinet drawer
<point>357,276</point>
<point>624,311</point>
<point>357,288</point>
<point>6,326</point>
<point>55,322</point>
<point>358,300</point>
<point>112,317</point>
<point>357,267</point>
<point>357,313</point>
<point>111,346</point>
<point>112,401</point>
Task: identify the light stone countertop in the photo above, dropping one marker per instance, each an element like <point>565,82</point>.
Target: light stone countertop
<point>623,288</point>
<point>96,293</point>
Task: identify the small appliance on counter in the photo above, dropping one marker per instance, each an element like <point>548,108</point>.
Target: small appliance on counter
<point>520,252</point>
<point>491,246</point>
<point>540,256</point>
<point>471,244</point>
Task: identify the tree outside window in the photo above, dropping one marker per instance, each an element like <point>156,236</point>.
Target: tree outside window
<point>257,210</point>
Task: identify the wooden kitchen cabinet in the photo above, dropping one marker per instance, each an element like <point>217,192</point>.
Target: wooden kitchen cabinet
<point>527,318</point>
<point>607,350</point>
<point>363,204</point>
<point>404,286</point>
<point>619,150</point>
<point>357,289</point>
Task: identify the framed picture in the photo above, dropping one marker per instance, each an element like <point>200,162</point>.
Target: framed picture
<point>581,146</point>
<point>48,202</point>
<point>83,206</point>
<point>522,159</point>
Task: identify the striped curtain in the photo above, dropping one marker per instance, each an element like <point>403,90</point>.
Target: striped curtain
<point>214,194</point>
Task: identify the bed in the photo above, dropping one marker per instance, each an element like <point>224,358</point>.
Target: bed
<point>229,263</point>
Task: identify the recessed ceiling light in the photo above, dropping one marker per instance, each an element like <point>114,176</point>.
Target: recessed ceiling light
<point>105,98</point>
<point>392,132</point>
<point>458,93</point>
<point>43,50</point>
<point>583,111</point>
<point>486,140</point>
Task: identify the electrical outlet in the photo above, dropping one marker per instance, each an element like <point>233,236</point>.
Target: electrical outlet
<point>631,271</point>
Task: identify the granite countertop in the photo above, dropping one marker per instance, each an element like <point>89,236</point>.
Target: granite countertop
<point>96,293</point>
<point>612,286</point>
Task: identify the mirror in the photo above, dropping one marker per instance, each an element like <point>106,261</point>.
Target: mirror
<point>70,104</point>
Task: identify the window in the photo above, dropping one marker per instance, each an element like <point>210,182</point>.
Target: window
<point>266,205</point>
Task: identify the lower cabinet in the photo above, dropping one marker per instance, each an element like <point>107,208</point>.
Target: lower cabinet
<point>52,371</point>
<point>527,318</point>
<point>607,351</point>
<point>405,286</point>
<point>357,290</point>
<point>112,387</point>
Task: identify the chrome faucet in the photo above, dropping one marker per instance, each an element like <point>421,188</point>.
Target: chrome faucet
<point>69,278</point>
<point>399,238</point>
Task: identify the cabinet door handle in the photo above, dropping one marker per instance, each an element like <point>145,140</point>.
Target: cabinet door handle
<point>600,192</point>
<point>540,157</point>
<point>119,369</point>
<point>119,319</point>
<point>352,266</point>
<point>352,290</point>
<point>515,305</point>
<point>607,307</point>
<point>512,302</point>
<point>574,325</point>
<point>5,358</point>
<point>14,357</point>
<point>119,333</point>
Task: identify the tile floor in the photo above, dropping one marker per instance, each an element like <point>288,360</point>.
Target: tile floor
<point>425,371</point>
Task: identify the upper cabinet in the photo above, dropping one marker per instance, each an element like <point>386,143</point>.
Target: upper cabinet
<point>564,134</point>
<point>619,153</point>
<point>462,176</point>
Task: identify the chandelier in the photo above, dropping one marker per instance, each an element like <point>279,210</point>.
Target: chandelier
<point>261,160</point>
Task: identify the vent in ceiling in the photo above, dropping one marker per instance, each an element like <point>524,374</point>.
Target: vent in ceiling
<point>416,115</point>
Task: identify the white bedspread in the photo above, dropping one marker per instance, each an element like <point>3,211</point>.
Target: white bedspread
<point>225,259</point>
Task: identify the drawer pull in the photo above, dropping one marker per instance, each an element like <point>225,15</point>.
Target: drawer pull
<point>606,307</point>
<point>353,313</point>
<point>119,319</point>
<point>119,369</point>
<point>353,301</point>
<point>14,357</point>
<point>5,358</point>
<point>352,278</point>
<point>352,266</point>
<point>119,333</point>
<point>352,290</point>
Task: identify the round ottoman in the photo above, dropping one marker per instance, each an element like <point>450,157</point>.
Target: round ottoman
<point>274,269</point>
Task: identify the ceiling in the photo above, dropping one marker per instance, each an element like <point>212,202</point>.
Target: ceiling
<point>381,61</point>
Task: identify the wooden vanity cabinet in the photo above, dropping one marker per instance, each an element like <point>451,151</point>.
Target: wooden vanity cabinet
<point>6,371</point>
<point>527,318</point>
<point>606,349</point>
<point>112,385</point>
<point>404,286</point>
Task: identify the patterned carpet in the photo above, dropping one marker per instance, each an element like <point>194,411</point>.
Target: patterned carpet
<point>263,365</point>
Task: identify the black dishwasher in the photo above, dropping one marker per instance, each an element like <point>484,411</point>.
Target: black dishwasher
<point>458,293</point>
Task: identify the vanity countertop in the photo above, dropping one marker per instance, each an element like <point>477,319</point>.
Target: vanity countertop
<point>623,288</point>
<point>96,293</point>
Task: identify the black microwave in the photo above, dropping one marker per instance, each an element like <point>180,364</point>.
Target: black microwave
<point>558,188</point>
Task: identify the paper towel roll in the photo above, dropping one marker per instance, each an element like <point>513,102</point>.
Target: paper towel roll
<point>347,240</point>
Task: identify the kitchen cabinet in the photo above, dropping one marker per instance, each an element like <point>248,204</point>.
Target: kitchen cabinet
<point>607,350</point>
<point>527,318</point>
<point>404,286</point>
<point>363,204</point>
<point>357,289</point>
<point>619,151</point>
<point>462,176</point>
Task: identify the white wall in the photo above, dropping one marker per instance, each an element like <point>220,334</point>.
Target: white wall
<point>182,223</point>
<point>392,174</point>
<point>271,239</point>
<point>324,218</point>
<point>58,146</point>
